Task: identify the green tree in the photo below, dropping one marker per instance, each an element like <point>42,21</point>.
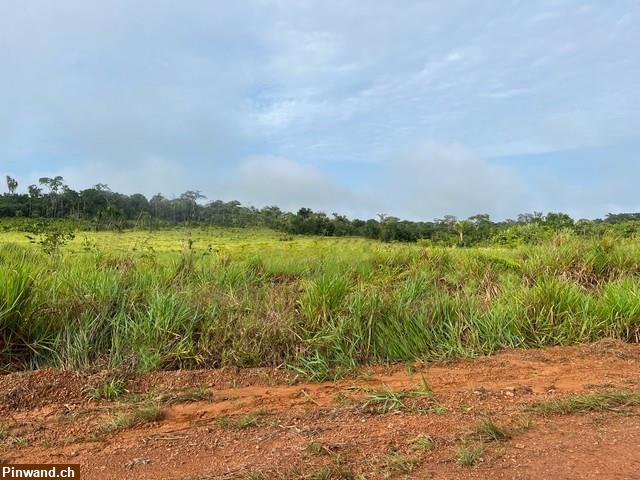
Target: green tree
<point>12,185</point>
<point>558,221</point>
<point>462,228</point>
<point>34,195</point>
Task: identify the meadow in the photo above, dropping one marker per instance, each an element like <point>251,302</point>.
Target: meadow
<point>212,297</point>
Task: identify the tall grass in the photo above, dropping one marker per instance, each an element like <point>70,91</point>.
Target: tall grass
<point>319,305</point>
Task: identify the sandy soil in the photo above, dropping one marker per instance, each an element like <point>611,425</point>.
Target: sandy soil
<point>266,424</point>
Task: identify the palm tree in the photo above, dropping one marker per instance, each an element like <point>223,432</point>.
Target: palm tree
<point>12,185</point>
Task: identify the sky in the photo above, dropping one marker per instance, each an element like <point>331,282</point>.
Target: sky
<point>416,109</point>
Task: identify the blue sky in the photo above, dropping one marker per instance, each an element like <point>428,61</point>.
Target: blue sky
<point>412,108</point>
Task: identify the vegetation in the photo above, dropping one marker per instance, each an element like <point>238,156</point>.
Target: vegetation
<point>386,400</point>
<point>98,208</point>
<point>209,297</point>
<point>602,401</point>
<point>110,388</point>
<point>395,463</point>
<point>138,416</point>
<point>423,442</point>
<point>469,456</point>
<point>239,423</point>
<point>316,448</point>
<point>488,431</point>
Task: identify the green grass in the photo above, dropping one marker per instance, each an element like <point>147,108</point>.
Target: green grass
<point>315,448</point>
<point>470,455</point>
<point>396,463</point>
<point>386,400</point>
<point>136,417</point>
<point>488,431</point>
<point>239,423</point>
<point>602,401</point>
<point>329,472</point>
<point>322,306</point>
<point>110,388</point>
<point>423,443</point>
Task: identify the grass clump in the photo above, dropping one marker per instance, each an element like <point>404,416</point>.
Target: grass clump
<point>418,400</point>
<point>325,472</point>
<point>240,423</point>
<point>601,401</point>
<point>17,441</point>
<point>488,431</point>
<point>396,463</point>
<point>331,472</point>
<point>111,388</point>
<point>316,367</point>
<point>423,443</point>
<point>385,401</point>
<point>469,456</point>
<point>136,417</point>
<point>315,448</point>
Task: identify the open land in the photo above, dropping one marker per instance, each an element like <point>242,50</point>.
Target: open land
<point>211,353</point>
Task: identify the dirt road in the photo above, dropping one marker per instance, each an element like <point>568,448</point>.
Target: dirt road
<point>491,417</point>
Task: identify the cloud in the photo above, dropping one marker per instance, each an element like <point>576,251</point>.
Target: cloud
<point>147,176</point>
<point>187,93</point>
<point>432,180</point>
<point>267,180</point>
<point>118,84</point>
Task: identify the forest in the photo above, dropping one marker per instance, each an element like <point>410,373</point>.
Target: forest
<point>100,208</point>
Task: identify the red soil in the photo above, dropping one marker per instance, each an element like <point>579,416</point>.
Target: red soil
<point>297,429</point>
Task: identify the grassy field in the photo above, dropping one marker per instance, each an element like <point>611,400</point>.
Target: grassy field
<point>209,298</point>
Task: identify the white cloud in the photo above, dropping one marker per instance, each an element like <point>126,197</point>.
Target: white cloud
<point>200,86</point>
<point>148,176</point>
<point>432,180</point>
<point>267,180</point>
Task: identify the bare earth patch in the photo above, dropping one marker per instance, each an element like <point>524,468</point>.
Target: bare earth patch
<point>491,417</point>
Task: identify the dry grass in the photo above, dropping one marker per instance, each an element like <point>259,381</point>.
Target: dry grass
<point>593,402</point>
<point>134,418</point>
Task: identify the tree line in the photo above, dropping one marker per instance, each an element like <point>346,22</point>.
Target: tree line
<point>99,208</point>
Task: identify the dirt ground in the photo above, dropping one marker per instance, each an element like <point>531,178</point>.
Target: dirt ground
<point>404,421</point>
